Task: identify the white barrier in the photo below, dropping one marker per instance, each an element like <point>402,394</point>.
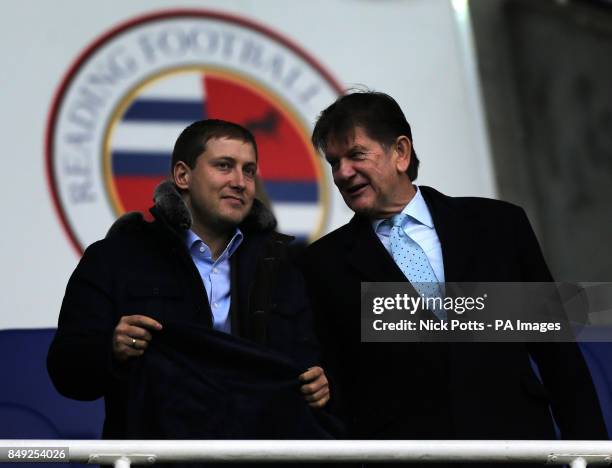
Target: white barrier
<point>123,453</point>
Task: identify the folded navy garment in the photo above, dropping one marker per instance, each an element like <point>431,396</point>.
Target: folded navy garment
<point>198,383</point>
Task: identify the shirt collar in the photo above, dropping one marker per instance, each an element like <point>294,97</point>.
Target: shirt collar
<point>192,238</point>
<point>417,210</point>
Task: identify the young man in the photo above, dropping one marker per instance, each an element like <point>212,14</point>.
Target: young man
<point>430,390</point>
<point>208,278</point>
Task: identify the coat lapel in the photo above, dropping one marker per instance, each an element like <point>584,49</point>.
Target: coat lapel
<point>457,231</point>
<point>366,253</point>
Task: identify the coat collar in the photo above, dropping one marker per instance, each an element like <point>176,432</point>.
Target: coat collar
<point>454,225</point>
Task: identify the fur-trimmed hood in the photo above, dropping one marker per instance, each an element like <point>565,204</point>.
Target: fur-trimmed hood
<point>169,206</point>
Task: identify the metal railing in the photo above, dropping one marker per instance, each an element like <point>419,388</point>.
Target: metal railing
<point>123,453</point>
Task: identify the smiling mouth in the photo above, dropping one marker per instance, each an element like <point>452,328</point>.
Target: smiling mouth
<point>355,190</point>
<point>234,200</point>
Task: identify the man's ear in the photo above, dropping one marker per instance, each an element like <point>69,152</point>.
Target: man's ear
<point>181,173</point>
<point>403,147</point>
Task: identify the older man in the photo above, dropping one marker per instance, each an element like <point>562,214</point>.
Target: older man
<point>404,232</point>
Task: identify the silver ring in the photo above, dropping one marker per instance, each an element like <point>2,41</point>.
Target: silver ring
<point>133,342</point>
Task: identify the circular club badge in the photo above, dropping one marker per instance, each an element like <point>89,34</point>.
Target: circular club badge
<point>124,102</point>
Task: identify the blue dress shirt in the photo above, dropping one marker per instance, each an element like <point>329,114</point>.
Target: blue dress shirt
<point>215,276</point>
<point>421,229</point>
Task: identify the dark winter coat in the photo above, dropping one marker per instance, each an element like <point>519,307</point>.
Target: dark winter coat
<point>144,267</point>
<point>447,390</point>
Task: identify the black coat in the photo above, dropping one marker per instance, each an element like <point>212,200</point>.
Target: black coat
<point>144,268</point>
<point>446,390</point>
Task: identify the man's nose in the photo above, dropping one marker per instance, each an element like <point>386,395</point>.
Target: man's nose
<point>344,171</point>
<point>238,180</point>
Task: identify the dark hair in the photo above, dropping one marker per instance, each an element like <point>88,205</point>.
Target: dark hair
<point>191,143</point>
<point>377,113</point>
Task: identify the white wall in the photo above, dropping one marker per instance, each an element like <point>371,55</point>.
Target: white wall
<point>411,49</point>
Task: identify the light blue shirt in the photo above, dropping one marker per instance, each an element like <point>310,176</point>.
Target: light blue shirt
<point>421,229</point>
<point>215,276</point>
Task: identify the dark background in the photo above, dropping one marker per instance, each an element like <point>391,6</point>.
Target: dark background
<point>546,75</point>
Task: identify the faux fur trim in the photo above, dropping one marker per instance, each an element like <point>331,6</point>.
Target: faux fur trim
<point>124,222</point>
<point>259,219</point>
<point>171,206</point>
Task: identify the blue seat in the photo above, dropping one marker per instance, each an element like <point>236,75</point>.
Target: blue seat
<point>30,407</point>
<point>598,356</point>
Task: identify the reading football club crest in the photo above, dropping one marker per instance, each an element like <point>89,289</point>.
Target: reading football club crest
<point>128,96</point>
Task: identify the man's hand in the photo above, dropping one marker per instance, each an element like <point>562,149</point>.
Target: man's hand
<point>132,336</point>
<point>316,387</point>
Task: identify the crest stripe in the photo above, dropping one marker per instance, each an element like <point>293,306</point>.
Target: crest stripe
<point>292,191</point>
<point>140,163</point>
<point>165,110</point>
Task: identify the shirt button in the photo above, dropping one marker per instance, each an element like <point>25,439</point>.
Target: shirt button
<point>202,248</point>
<point>215,304</point>
<point>215,270</point>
